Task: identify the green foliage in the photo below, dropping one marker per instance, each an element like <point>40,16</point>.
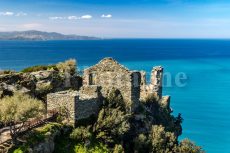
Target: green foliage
<point>96,148</point>
<point>19,108</point>
<point>59,118</point>
<point>39,134</point>
<point>2,72</point>
<point>115,100</point>
<point>21,149</point>
<point>35,136</point>
<point>162,141</point>
<point>141,143</point>
<point>67,66</point>
<point>114,126</point>
<point>186,146</point>
<point>81,134</point>
<point>118,149</point>
<point>112,122</point>
<point>160,115</point>
<point>44,87</point>
<point>39,68</point>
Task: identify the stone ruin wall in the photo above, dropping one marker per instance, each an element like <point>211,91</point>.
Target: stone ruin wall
<point>109,74</point>
<point>89,102</point>
<point>155,86</point>
<point>98,80</point>
<point>80,105</point>
<point>62,100</point>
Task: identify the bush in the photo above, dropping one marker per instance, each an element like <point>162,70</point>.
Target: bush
<point>67,66</point>
<point>39,134</point>
<point>6,72</point>
<point>186,146</point>
<point>81,134</point>
<point>162,141</point>
<point>95,148</point>
<point>141,144</point>
<point>113,122</point>
<point>39,68</point>
<point>118,149</point>
<point>35,136</point>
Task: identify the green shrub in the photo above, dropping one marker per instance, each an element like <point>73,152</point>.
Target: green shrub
<point>67,66</point>
<point>81,134</point>
<point>96,148</point>
<point>2,72</point>
<point>162,141</point>
<point>141,144</point>
<point>187,146</point>
<point>39,68</point>
<point>113,121</point>
<point>118,149</point>
<point>39,134</point>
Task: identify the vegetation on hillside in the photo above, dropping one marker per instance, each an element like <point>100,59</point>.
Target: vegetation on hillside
<point>16,110</point>
<point>151,129</point>
<point>66,66</point>
<point>36,136</point>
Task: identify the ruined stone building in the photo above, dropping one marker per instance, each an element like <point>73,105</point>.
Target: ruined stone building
<point>98,80</point>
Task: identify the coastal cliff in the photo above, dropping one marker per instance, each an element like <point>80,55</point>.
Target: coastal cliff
<point>107,109</point>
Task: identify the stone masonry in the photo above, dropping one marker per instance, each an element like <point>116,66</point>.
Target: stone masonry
<point>109,74</point>
<point>98,81</point>
<point>76,104</point>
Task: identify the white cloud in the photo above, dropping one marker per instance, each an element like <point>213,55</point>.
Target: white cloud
<point>21,14</point>
<point>106,16</point>
<point>73,17</point>
<point>56,18</point>
<point>6,13</point>
<point>86,17</point>
<point>31,25</point>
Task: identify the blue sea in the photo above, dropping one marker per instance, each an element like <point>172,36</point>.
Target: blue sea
<point>204,101</point>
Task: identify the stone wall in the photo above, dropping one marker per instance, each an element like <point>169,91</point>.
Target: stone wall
<point>89,102</point>
<point>78,104</point>
<point>64,101</point>
<point>98,81</point>
<point>109,74</point>
<point>157,79</point>
<point>155,86</point>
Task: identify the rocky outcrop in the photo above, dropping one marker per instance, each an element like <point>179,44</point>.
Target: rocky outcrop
<point>46,146</point>
<point>38,84</point>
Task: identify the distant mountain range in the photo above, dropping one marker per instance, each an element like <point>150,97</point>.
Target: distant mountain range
<point>40,35</point>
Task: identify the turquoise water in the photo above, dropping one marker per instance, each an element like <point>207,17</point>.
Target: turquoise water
<point>204,102</point>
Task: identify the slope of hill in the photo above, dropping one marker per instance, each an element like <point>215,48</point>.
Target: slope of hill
<point>39,35</point>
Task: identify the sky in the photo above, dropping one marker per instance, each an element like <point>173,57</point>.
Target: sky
<point>119,18</point>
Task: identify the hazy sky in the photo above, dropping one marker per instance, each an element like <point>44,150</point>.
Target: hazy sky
<point>120,18</point>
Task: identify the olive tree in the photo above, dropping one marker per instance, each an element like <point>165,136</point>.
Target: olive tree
<point>16,110</point>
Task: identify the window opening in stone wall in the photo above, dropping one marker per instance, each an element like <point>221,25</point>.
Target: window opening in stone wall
<point>92,79</point>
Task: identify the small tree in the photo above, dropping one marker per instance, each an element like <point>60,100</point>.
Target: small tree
<point>81,134</point>
<point>112,122</point>
<point>187,146</point>
<point>17,110</point>
<point>68,66</point>
<point>162,141</point>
